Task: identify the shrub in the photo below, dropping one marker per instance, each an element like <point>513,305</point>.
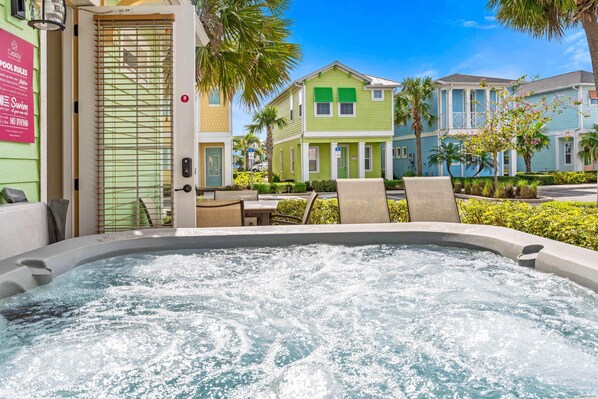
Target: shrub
<point>571,222</point>
<point>394,184</point>
<point>457,187</point>
<point>243,179</point>
<point>323,186</point>
<point>467,188</point>
<point>488,190</point>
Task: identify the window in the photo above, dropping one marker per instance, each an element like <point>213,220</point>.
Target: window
<point>368,158</point>
<point>593,97</point>
<point>214,98</point>
<point>568,152</point>
<point>404,152</point>
<point>396,152</point>
<point>291,107</point>
<point>323,109</point>
<point>506,158</point>
<point>314,159</point>
<point>300,95</point>
<point>378,95</point>
<point>281,162</point>
<point>347,97</point>
<point>323,100</point>
<point>346,109</point>
<point>292,160</point>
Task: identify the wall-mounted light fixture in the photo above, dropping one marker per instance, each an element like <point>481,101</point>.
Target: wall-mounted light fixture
<point>47,14</point>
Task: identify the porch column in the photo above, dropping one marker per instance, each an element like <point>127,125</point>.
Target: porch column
<point>388,164</point>
<point>468,108</point>
<point>577,162</point>
<point>333,162</point>
<point>513,163</point>
<point>228,163</point>
<point>449,107</point>
<point>361,159</point>
<point>305,161</point>
<point>487,95</point>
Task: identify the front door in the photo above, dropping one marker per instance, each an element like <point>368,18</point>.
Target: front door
<point>343,163</point>
<point>214,167</point>
<point>136,107</point>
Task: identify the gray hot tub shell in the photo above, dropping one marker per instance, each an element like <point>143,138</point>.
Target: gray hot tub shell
<point>26,271</point>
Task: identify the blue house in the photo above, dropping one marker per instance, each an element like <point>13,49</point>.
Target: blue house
<point>460,105</point>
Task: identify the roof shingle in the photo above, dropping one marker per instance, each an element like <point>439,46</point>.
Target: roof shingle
<point>461,78</point>
<point>554,82</point>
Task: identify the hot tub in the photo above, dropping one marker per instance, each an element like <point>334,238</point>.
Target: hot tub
<point>372,311</point>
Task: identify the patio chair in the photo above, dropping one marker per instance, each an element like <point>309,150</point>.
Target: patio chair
<point>219,213</point>
<point>151,212</point>
<point>247,195</point>
<point>431,199</point>
<point>288,219</point>
<point>362,201</point>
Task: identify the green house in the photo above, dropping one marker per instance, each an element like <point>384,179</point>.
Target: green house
<point>340,124</point>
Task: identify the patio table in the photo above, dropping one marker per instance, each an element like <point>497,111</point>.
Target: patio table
<point>260,209</point>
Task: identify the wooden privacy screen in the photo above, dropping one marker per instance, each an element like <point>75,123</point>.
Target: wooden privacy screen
<point>134,121</point>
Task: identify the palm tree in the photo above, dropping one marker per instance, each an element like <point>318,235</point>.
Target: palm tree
<point>530,142</point>
<point>447,154</point>
<point>243,143</point>
<point>413,103</point>
<point>248,49</point>
<point>267,120</point>
<point>589,150</point>
<point>483,161</point>
<point>551,19</point>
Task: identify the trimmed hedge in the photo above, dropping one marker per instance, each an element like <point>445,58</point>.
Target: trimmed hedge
<point>571,222</point>
<point>542,179</point>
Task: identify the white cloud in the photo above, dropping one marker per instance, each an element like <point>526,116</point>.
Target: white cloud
<point>430,72</point>
<point>490,18</point>
<point>476,25</point>
<point>576,52</point>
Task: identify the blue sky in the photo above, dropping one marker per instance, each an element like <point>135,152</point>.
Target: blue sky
<point>395,39</point>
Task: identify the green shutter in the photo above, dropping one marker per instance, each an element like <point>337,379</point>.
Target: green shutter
<point>323,94</point>
<point>347,95</point>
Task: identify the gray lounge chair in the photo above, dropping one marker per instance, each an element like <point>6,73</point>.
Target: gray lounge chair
<point>288,219</point>
<point>219,213</point>
<point>431,199</point>
<point>247,195</point>
<point>362,201</point>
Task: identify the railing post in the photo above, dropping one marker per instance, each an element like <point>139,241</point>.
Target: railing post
<point>468,108</point>
<point>449,107</point>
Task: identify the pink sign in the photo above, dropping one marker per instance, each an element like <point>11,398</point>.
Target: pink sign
<point>16,89</point>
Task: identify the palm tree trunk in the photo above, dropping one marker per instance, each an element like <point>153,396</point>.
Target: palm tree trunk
<point>269,152</point>
<point>590,25</point>
<point>528,163</point>
<point>495,161</point>
<point>246,161</point>
<point>418,151</point>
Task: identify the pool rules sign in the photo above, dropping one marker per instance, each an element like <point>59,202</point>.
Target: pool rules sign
<point>16,89</point>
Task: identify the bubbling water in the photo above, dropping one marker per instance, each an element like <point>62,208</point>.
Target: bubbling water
<point>313,322</point>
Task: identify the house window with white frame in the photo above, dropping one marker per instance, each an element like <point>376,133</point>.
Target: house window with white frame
<point>368,158</point>
<point>323,100</point>
<point>593,98</point>
<point>314,159</point>
<point>404,152</point>
<point>300,95</point>
<point>281,161</point>
<point>214,98</point>
<point>291,107</point>
<point>377,95</point>
<point>347,97</point>
<point>292,154</point>
<point>568,153</point>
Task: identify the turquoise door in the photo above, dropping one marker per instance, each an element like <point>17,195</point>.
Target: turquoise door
<point>342,163</point>
<point>213,167</point>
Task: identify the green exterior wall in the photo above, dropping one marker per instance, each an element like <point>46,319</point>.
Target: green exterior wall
<point>20,162</point>
<point>370,115</point>
<point>282,104</point>
<point>286,173</point>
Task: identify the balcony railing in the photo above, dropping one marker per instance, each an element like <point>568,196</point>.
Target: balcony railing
<point>478,120</point>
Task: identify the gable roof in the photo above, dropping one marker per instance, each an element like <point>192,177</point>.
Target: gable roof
<point>555,82</point>
<point>372,81</point>
<point>462,78</point>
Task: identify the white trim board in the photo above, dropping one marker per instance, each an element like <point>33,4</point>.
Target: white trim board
<point>412,136</point>
<point>323,135</point>
<point>290,138</point>
<point>204,137</point>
